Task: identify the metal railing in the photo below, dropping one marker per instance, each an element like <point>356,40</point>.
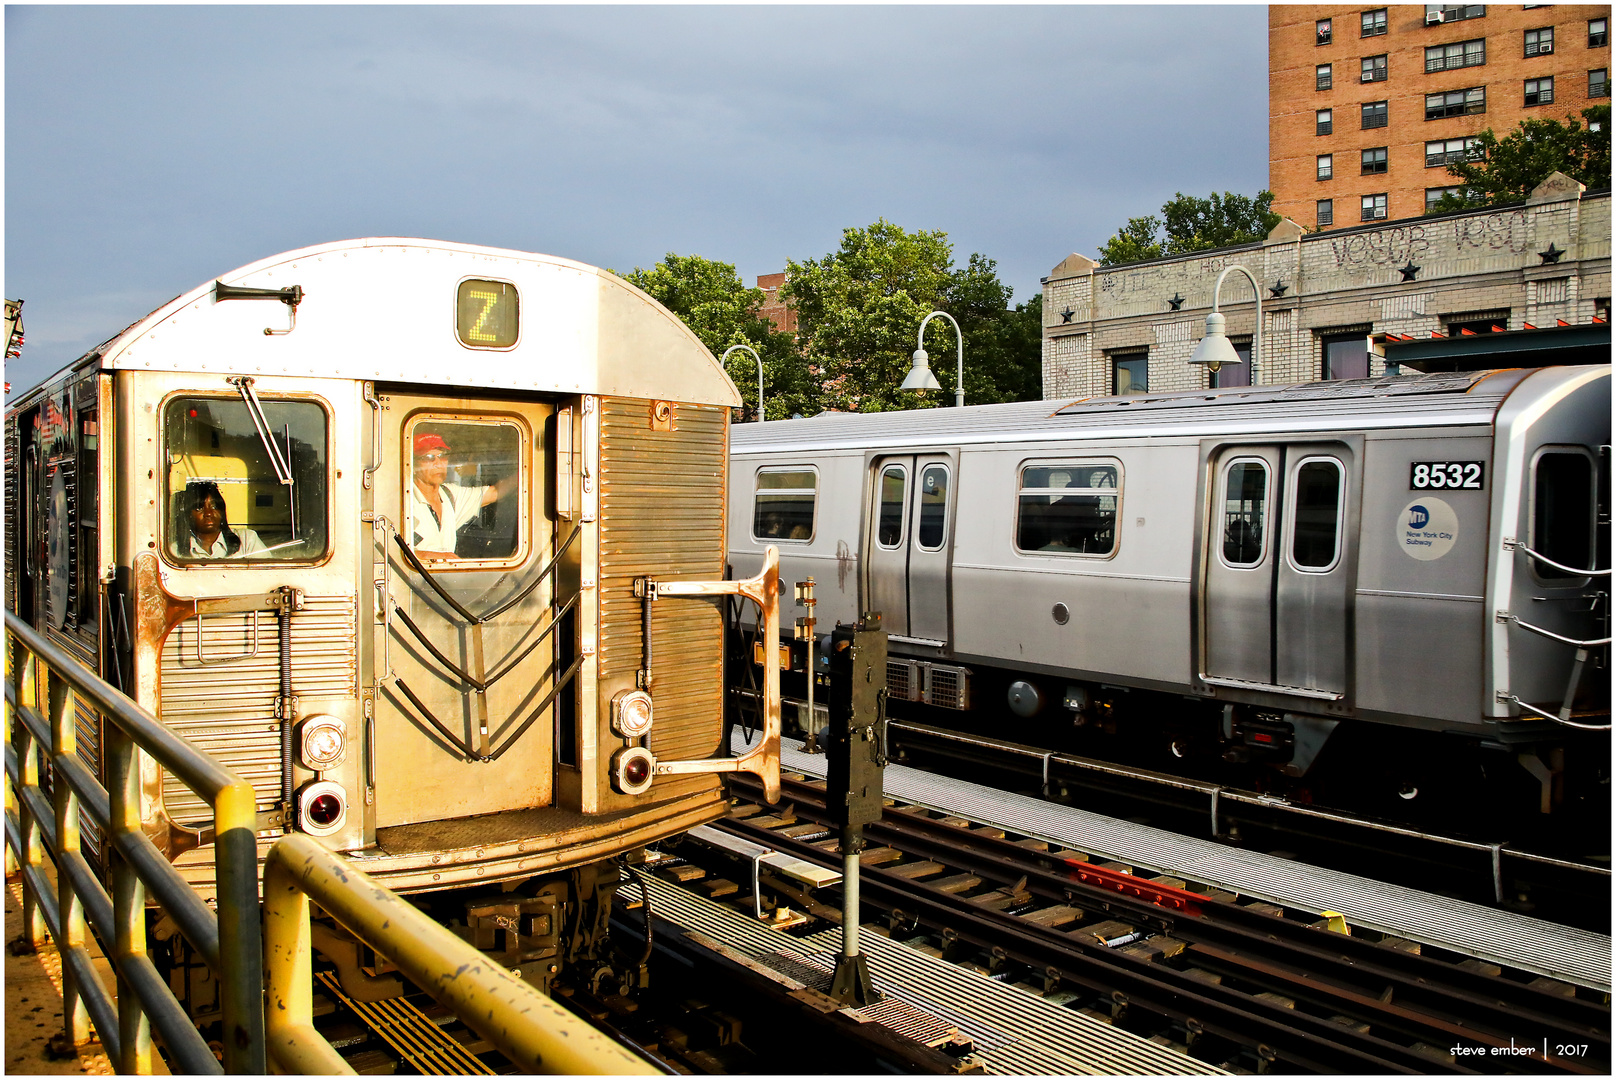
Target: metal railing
<point>538,1035</point>
<point>42,682</point>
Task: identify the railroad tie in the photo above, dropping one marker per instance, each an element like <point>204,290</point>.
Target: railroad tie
<point>412,1033</point>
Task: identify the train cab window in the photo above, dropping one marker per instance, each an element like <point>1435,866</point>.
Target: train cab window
<point>1562,512</point>
<point>933,506</point>
<point>1068,509</point>
<point>464,496</point>
<point>1316,514</point>
<point>243,487</point>
<point>784,504</point>
<point>889,526</point>
<point>1245,507</point>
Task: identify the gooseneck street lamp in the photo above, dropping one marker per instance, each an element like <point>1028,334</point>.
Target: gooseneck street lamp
<point>920,376</point>
<point>759,360</point>
<point>1215,350</point>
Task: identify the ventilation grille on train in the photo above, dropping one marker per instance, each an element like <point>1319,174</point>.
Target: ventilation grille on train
<point>228,709</point>
<point>947,686</point>
<point>662,516</point>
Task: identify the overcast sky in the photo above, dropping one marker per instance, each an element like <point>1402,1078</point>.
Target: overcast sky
<point>150,149</point>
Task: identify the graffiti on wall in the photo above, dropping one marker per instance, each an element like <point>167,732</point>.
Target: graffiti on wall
<point>1492,232</point>
<point>1383,247</point>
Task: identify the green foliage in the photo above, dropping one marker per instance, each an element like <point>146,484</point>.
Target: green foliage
<point>1506,170</point>
<point>860,307</point>
<point>1189,223</point>
<point>712,300</point>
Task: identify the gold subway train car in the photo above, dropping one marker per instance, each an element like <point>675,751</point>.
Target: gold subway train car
<point>426,541</point>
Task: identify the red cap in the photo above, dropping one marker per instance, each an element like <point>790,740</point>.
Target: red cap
<point>427,442</point>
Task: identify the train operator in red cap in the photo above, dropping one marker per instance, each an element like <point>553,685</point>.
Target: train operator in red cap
<point>437,508</point>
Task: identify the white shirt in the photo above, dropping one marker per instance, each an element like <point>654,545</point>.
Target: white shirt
<point>461,503</point>
<point>250,545</point>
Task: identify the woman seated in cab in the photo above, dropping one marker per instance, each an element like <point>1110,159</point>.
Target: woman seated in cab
<point>210,535</point>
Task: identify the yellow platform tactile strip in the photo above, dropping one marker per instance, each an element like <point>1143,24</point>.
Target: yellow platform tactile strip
<point>412,1033</point>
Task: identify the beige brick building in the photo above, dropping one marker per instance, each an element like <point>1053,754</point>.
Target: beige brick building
<point>1366,105</point>
<point>1130,328</point>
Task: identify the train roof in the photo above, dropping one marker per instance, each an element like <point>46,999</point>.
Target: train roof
<point>384,308</point>
<point>1401,401</point>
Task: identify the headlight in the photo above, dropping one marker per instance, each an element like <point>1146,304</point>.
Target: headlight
<point>322,807</point>
<point>324,742</point>
<point>631,713</point>
<point>633,769</point>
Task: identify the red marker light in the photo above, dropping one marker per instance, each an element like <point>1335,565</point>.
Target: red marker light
<point>325,810</point>
<point>193,414</point>
<point>1259,736</point>
<point>636,770</point>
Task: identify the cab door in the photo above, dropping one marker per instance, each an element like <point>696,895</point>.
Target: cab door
<point>1277,562</point>
<point>910,541</point>
<point>465,651</point>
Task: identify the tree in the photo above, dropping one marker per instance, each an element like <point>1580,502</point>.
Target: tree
<point>712,300</point>
<point>1506,170</point>
<point>859,309</point>
<point>1192,224</point>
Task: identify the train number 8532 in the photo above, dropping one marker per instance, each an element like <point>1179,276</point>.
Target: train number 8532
<point>1447,474</point>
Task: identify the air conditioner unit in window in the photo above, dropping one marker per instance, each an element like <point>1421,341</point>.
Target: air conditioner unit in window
<point>1432,18</point>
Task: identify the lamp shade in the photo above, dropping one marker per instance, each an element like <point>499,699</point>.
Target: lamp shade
<point>1214,350</point>
<point>920,376</point>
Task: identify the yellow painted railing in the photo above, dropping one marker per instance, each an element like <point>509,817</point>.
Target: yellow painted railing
<point>538,1035</point>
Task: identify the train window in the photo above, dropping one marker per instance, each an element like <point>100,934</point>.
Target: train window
<point>1068,509</point>
<point>486,314</point>
<point>1316,517</point>
<point>234,490</point>
<point>463,496</point>
<point>784,505</point>
<point>933,506</point>
<point>1562,512</point>
<point>889,527</point>
<point>1245,505</point>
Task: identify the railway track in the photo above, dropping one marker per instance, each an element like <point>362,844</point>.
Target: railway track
<point>1230,982</point>
<point>1570,891</point>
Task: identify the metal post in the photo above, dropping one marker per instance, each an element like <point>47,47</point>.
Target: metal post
<point>34,932</point>
<point>128,899</point>
<point>959,342</point>
<point>1256,330</point>
<point>759,360</point>
<point>241,948</point>
<point>70,908</point>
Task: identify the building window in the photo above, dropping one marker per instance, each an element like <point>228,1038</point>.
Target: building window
<point>1540,91</point>
<point>1326,213</point>
<point>1597,33</point>
<point>1374,207</point>
<point>1443,152</point>
<point>1466,102</point>
<point>1374,114</point>
<point>1447,13</point>
<point>1373,22</point>
<point>1372,69</point>
<point>1326,166</point>
<point>1540,42</point>
<point>1599,83</point>
<point>1321,77</point>
<point>1346,356</point>
<point>1323,123</point>
<point>1459,54</point>
<point>1372,161</point>
<point>1321,30</point>
<point>1234,374</point>
<point>1130,374</point>
<point>1434,195</point>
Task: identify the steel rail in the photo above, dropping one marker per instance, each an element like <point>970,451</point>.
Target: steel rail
<point>1336,968</point>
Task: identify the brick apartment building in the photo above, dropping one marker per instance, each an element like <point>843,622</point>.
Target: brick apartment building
<point>777,311</point>
<point>1367,105</point>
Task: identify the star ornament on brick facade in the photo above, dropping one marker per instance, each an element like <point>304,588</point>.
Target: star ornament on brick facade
<point>1176,302</point>
<point>1551,256</point>
<point>1278,289</point>
<point>1410,271</point>
<point>1066,315</point>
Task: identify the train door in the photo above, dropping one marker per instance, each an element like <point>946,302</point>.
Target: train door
<point>1277,567</point>
<point>465,653</point>
<point>910,541</point>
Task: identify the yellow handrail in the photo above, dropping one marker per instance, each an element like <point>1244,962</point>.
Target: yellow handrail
<point>538,1035</point>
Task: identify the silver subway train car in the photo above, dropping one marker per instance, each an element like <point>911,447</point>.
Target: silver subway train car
<point>373,522</point>
<point>1266,574</point>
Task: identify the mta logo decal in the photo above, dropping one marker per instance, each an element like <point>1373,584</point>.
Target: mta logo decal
<point>1418,516</point>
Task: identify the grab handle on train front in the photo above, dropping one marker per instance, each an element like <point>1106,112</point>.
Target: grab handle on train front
<point>763,760</point>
